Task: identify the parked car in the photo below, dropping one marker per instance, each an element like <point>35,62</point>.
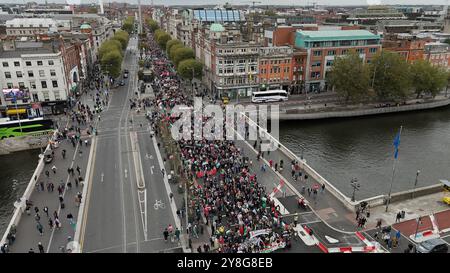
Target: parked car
<point>433,246</point>
<point>122,83</point>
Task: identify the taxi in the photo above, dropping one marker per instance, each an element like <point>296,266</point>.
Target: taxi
<point>225,100</point>
<point>446,200</point>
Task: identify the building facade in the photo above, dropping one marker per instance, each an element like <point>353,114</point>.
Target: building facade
<point>322,47</point>
<point>276,67</point>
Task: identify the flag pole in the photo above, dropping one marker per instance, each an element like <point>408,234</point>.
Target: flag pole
<point>393,174</point>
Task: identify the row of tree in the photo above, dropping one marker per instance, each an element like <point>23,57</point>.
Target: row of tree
<point>388,77</point>
<point>110,53</point>
<point>182,57</point>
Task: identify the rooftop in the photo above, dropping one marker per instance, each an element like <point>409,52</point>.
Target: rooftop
<point>25,51</point>
<point>337,35</point>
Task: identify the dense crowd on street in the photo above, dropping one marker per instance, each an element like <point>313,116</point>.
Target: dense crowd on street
<point>226,195</point>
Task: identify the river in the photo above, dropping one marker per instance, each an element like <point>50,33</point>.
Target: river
<point>340,149</point>
<point>19,166</point>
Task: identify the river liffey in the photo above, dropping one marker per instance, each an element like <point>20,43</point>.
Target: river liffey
<point>340,149</point>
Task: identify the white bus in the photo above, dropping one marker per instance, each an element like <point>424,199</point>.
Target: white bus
<point>269,96</point>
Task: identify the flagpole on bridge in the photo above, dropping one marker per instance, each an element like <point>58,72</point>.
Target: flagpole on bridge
<point>396,144</point>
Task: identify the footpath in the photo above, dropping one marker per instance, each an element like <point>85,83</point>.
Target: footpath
<point>54,239</point>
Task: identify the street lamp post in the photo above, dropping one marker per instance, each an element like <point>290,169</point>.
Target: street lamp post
<point>355,185</point>
<point>419,220</point>
<point>415,183</point>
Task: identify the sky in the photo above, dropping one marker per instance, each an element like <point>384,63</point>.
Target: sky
<point>264,2</point>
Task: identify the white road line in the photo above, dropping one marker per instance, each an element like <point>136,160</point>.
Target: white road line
<point>111,247</point>
<point>103,175</point>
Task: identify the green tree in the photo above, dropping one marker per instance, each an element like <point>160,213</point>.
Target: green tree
<point>108,46</point>
<point>122,37</point>
<point>111,62</point>
<point>427,78</point>
<point>128,24</point>
<point>390,76</point>
<point>350,77</point>
<point>181,54</point>
<point>447,41</point>
<point>173,49</point>
<point>152,24</point>
<point>185,69</point>
<point>162,40</point>
<point>158,33</point>
<point>93,10</point>
<point>172,43</point>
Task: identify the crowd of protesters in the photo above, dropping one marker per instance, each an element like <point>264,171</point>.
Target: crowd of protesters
<point>225,194</point>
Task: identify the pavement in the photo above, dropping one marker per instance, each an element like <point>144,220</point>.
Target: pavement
<point>27,235</point>
<point>121,215</point>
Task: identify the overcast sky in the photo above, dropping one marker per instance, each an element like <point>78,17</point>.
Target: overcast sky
<point>264,2</point>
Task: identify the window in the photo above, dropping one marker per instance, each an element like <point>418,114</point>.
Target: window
<point>10,85</point>
<point>52,72</point>
<point>39,62</point>
<point>21,85</point>
<point>331,52</point>
<point>33,85</point>
<point>360,50</point>
<point>51,62</point>
<point>30,74</point>
<point>55,83</point>
<point>329,62</point>
<point>28,63</point>
<point>44,84</point>
<point>19,74</point>
<point>8,75</point>
<point>41,73</point>
<point>5,64</point>
<point>16,63</point>
<point>315,75</point>
<point>316,64</point>
<point>317,53</point>
<point>46,96</point>
<point>344,51</point>
<point>373,50</point>
<point>57,95</point>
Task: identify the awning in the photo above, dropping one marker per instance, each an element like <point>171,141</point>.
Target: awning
<point>16,111</point>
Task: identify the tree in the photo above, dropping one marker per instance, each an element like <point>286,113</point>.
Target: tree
<point>185,69</point>
<point>350,77</point>
<point>152,24</point>
<point>270,13</point>
<point>122,37</point>
<point>112,62</point>
<point>93,10</point>
<point>128,24</point>
<point>390,76</point>
<point>427,78</point>
<point>173,49</point>
<point>172,43</point>
<point>181,54</point>
<point>108,46</point>
<point>162,40</point>
<point>158,33</point>
<point>447,41</point>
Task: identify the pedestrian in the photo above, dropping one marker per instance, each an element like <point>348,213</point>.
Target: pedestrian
<point>78,170</point>
<point>36,209</point>
<point>163,172</point>
<point>171,197</point>
<point>55,214</point>
<point>166,234</point>
<point>76,182</point>
<point>47,173</point>
<point>70,218</point>
<point>177,234</point>
<point>63,153</point>
<point>54,169</point>
<point>69,185</point>
<point>50,223</point>
<point>398,217</point>
<point>379,224</point>
<point>309,191</point>
<point>57,223</point>
<point>31,250</point>
<point>40,228</point>
<point>46,210</point>
<point>41,248</point>
<point>323,187</point>
<point>37,217</point>
<point>199,249</point>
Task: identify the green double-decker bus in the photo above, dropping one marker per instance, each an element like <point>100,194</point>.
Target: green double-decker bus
<point>37,126</point>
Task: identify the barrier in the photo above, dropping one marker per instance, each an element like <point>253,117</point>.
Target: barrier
<point>424,235</point>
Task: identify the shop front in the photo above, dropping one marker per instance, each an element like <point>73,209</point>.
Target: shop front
<point>53,107</point>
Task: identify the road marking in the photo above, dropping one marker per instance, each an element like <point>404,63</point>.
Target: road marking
<point>102,176</point>
<point>126,173</point>
<point>111,247</point>
<point>159,204</point>
<point>148,156</point>
<point>151,169</point>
